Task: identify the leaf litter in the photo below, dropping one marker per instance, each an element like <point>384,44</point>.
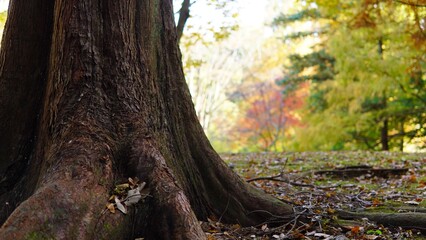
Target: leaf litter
<point>127,194</point>
<point>317,197</point>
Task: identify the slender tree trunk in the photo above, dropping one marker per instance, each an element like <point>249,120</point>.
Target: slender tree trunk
<point>402,133</point>
<point>384,131</point>
<point>183,17</point>
<point>384,137</point>
<point>103,96</point>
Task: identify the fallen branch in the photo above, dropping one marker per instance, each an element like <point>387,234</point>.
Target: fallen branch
<point>272,178</point>
<point>408,220</point>
<point>279,178</point>
<point>357,171</point>
<point>408,209</point>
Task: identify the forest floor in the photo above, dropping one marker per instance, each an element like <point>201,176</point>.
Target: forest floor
<point>319,184</point>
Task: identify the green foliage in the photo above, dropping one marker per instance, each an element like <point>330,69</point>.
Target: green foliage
<point>367,76</point>
<point>320,61</point>
<point>3,17</point>
<point>304,15</point>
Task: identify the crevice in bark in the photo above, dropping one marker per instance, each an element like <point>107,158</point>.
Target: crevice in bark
<point>172,216</point>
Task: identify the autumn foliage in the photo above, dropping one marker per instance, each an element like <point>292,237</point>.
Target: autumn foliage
<point>268,116</point>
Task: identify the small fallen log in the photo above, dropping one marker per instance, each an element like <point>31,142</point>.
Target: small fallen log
<point>280,178</point>
<point>356,171</point>
<point>408,220</point>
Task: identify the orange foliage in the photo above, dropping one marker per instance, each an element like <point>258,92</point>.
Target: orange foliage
<point>268,115</point>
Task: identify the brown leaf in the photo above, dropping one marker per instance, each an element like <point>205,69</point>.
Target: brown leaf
<point>110,207</point>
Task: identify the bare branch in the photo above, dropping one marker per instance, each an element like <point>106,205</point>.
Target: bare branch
<point>183,17</point>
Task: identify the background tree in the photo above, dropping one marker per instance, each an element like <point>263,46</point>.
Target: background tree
<point>211,59</point>
<point>269,116</point>
<point>215,70</point>
<point>184,14</point>
<point>361,75</point>
<point>99,97</point>
<point>183,17</point>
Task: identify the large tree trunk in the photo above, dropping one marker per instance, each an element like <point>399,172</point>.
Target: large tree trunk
<point>92,92</point>
<point>24,60</point>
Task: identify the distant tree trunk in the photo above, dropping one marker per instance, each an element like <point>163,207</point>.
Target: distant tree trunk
<point>93,92</point>
<point>384,137</point>
<point>183,17</point>
<point>402,133</point>
<point>384,131</point>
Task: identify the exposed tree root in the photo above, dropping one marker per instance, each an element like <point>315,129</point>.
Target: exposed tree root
<point>70,198</point>
<point>55,212</point>
<point>228,197</point>
<point>406,220</point>
<point>172,216</point>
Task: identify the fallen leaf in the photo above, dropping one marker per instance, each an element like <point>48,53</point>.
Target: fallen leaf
<point>120,206</point>
<point>133,197</point>
<point>111,198</point>
<point>321,235</point>
<point>111,207</point>
<point>141,186</point>
<point>122,186</point>
<point>413,178</point>
<point>412,202</point>
<point>330,211</point>
<point>210,237</point>
<point>134,181</point>
<point>235,226</point>
<point>356,229</point>
<point>376,202</point>
<point>370,237</point>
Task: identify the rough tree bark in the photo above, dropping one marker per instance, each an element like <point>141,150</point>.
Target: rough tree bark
<point>93,92</point>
